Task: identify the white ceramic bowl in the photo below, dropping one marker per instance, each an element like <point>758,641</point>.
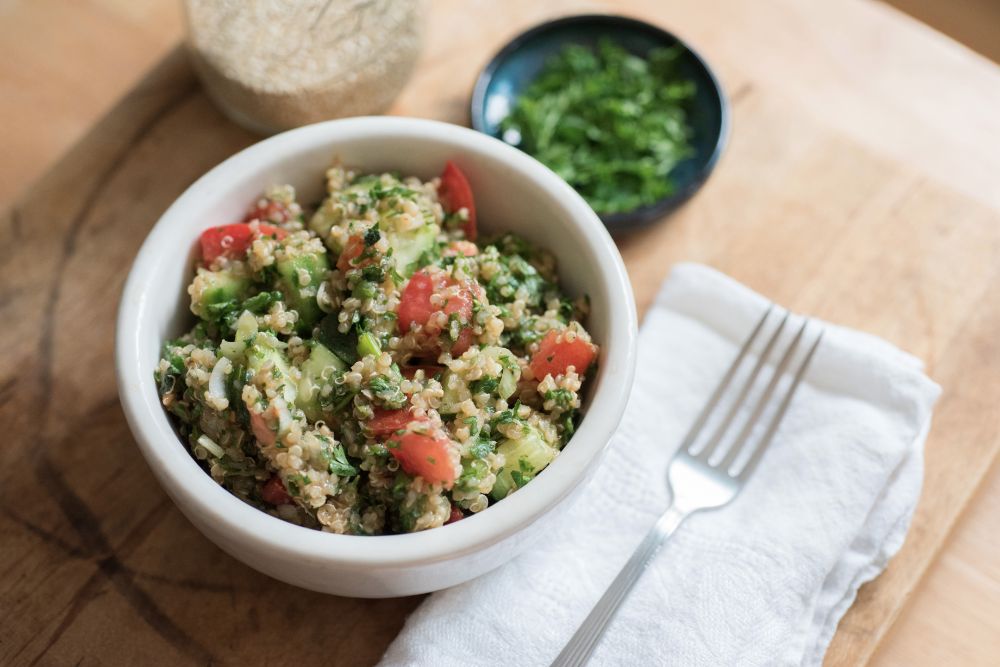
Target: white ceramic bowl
<point>513,192</point>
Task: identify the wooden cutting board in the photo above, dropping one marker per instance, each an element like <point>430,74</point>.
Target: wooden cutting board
<point>835,197</point>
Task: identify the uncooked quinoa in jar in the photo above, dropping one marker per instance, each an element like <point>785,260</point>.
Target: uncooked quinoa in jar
<point>272,65</point>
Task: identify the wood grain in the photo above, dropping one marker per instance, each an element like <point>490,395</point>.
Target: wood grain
<point>65,64</point>
<point>820,206</point>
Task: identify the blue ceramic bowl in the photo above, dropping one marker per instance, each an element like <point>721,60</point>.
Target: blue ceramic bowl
<point>517,64</point>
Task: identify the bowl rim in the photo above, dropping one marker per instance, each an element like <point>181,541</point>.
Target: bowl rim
<point>193,490</point>
<point>644,215</point>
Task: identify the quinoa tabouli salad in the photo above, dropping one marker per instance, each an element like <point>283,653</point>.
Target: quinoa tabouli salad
<point>372,366</point>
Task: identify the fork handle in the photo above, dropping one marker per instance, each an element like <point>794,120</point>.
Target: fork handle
<point>581,645</point>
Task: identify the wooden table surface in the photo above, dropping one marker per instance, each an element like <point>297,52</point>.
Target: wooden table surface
<point>861,185</point>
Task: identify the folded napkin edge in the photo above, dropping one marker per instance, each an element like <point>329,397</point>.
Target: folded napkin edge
<point>729,307</point>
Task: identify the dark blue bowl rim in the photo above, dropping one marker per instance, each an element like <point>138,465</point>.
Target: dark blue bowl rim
<point>645,215</point>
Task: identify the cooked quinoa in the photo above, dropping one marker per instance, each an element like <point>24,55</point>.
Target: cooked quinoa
<point>371,366</point>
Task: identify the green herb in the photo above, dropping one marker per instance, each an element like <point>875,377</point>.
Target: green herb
<point>485,385</point>
<point>525,334</point>
<point>563,398</point>
<point>387,392</point>
<point>340,396</point>
<point>566,310</point>
<point>221,311</point>
<point>508,416</point>
<point>400,485</point>
<point>612,124</point>
<point>378,191</point>
<point>344,345</point>
<point>569,425</point>
<point>482,446</point>
<point>364,289</point>
<point>515,278</point>
<point>234,392</point>
<point>372,235</point>
<point>339,465</point>
<point>368,344</point>
<point>520,478</point>
<point>473,473</point>
<point>373,273</point>
<point>262,302</point>
<point>170,353</point>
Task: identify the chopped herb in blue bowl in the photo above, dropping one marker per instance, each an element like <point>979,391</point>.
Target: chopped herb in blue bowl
<point>623,111</point>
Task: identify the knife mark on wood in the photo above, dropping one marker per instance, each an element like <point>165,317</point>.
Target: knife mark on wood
<point>87,526</point>
<point>45,535</point>
<point>186,584</point>
<point>7,388</point>
<point>89,591</point>
<point>15,222</point>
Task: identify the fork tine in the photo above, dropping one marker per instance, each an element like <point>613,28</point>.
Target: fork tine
<point>706,452</point>
<point>779,415</point>
<point>699,423</point>
<point>763,401</point>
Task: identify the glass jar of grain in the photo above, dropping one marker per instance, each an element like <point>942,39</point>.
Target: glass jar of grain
<point>271,65</point>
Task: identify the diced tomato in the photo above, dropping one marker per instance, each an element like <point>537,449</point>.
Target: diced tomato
<point>455,193</point>
<point>268,210</point>
<point>463,342</point>
<point>233,240</point>
<point>424,455</point>
<point>261,431</point>
<point>456,515</point>
<point>274,492</point>
<point>355,246</point>
<point>415,306</point>
<point>456,248</point>
<point>387,422</point>
<point>555,355</point>
<point>420,454</point>
<point>461,303</point>
<point>415,301</point>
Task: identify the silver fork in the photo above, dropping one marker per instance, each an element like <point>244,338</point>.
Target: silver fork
<point>696,479</point>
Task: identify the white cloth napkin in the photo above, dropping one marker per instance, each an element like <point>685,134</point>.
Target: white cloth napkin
<point>763,581</point>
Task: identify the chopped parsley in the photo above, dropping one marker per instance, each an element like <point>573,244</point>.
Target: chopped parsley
<point>612,124</point>
<point>387,392</point>
<point>484,385</point>
<point>339,465</point>
<point>261,303</point>
<point>482,446</point>
<point>563,398</point>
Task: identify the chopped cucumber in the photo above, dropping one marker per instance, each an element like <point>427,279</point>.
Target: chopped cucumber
<point>327,215</point>
<point>315,374</point>
<point>214,288</point>
<point>508,383</point>
<point>302,298</point>
<point>264,348</point>
<point>511,373</point>
<point>368,344</point>
<point>246,329</point>
<point>456,391</point>
<point>524,458</point>
<point>408,247</point>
